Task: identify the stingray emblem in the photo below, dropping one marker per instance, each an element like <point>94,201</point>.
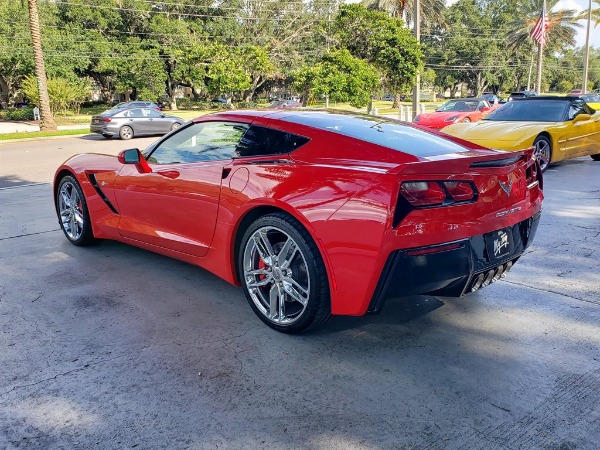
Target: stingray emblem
<point>506,187</point>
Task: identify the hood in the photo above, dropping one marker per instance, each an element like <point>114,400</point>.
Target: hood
<point>486,130</point>
<point>441,116</point>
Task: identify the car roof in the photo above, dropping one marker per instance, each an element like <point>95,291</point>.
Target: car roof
<point>468,99</point>
<point>541,98</point>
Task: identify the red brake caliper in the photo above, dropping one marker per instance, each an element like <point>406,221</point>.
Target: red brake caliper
<point>262,265</point>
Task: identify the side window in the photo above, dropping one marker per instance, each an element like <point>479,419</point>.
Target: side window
<point>576,108</point>
<point>133,113</point>
<point>266,141</point>
<point>205,141</point>
<point>151,113</point>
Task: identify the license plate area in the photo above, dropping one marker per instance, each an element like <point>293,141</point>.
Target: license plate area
<point>499,244</point>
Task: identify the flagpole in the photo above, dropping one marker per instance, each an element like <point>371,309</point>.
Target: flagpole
<point>586,55</point>
<point>538,84</point>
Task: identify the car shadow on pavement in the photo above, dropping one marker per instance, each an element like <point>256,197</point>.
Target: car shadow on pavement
<point>396,311</point>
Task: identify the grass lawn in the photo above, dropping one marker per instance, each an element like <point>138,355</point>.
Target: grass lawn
<point>39,134</point>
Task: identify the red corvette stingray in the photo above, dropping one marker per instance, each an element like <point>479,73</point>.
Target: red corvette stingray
<point>313,213</point>
<point>455,111</point>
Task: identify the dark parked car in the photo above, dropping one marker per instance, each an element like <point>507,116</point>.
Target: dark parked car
<point>521,94</point>
<point>492,98</point>
<point>127,123</point>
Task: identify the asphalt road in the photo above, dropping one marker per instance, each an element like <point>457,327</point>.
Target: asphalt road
<point>113,347</point>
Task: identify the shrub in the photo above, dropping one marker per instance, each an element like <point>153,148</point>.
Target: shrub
<point>64,94</point>
<point>17,114</point>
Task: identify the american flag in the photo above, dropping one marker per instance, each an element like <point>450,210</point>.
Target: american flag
<point>538,31</point>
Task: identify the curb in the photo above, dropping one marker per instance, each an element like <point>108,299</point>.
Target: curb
<point>43,138</point>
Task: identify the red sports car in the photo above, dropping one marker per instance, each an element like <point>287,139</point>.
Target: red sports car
<point>455,111</point>
<point>312,213</point>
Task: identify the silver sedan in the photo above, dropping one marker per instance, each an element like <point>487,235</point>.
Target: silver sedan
<point>128,123</point>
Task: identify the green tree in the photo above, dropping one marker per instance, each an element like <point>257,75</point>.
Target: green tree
<point>383,41</point>
<point>339,76</point>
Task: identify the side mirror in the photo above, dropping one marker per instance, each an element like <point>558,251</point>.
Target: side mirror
<point>130,156</point>
<point>133,156</point>
<point>581,117</point>
<point>485,109</point>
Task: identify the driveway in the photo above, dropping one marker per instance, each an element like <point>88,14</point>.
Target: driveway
<point>113,347</point>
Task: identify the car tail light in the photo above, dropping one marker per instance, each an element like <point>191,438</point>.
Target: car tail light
<point>431,194</point>
<point>533,173</point>
<point>423,193</point>
<point>102,119</point>
<point>460,191</point>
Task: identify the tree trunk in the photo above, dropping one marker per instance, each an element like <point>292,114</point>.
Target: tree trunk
<point>397,100</point>
<point>46,119</point>
<point>171,86</point>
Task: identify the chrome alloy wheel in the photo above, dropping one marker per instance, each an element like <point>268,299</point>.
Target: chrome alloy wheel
<point>276,275</point>
<point>543,152</point>
<point>70,210</point>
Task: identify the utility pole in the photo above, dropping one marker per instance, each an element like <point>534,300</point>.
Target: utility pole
<point>417,88</point>
<point>586,55</point>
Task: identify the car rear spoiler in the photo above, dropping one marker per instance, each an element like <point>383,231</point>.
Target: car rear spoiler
<point>467,161</point>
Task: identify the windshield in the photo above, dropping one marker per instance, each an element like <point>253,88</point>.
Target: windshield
<point>459,105</point>
<point>531,111</point>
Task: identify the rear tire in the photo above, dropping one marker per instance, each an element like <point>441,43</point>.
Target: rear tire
<point>467,120</point>
<point>126,132</point>
<point>72,211</point>
<point>283,274</point>
<point>596,157</point>
<point>107,136</point>
<point>175,126</point>
<point>543,151</point>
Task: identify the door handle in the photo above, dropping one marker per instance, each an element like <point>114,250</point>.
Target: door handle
<point>172,174</point>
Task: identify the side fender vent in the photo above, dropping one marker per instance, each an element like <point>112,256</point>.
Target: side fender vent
<point>94,182</point>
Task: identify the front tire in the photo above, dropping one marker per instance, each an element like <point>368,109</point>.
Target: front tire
<point>126,132</point>
<point>72,210</point>
<point>283,274</point>
<point>543,151</point>
<point>596,157</point>
<point>175,126</point>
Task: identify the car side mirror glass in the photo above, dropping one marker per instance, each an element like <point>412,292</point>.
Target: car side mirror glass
<point>581,117</point>
<point>129,156</point>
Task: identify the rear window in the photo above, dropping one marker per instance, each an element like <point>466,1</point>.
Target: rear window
<point>259,141</point>
<point>380,131</point>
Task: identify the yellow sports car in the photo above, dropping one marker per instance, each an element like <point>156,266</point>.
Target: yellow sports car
<point>559,128</point>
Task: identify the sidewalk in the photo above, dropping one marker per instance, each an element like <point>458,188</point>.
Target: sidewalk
<point>16,127</point>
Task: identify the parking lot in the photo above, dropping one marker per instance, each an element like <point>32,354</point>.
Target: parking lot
<point>114,347</point>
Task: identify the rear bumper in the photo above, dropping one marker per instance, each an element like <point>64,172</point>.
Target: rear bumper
<point>451,269</point>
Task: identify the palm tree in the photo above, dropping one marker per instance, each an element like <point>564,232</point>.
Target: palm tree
<point>561,30</point>
<point>432,11</point>
<point>47,121</point>
<point>595,14</point>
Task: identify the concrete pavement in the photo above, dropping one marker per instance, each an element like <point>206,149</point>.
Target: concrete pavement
<point>113,347</point>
